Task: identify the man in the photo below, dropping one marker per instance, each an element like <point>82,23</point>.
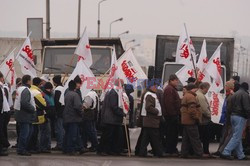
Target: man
<point>112,119</point>
<point>25,114</point>
<point>72,119</point>
<point>89,133</point>
<point>240,112</point>
<point>35,145</point>
<point>206,116</point>
<point>172,103</point>
<point>4,108</point>
<point>59,130</point>
<point>190,118</point>
<point>78,82</point>
<point>151,116</point>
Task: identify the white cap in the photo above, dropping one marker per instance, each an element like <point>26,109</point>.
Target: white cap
<point>45,77</point>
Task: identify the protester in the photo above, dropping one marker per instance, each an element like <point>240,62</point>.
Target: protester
<point>172,108</point>
<point>24,114</point>
<point>45,78</point>
<point>35,144</point>
<point>190,118</point>
<point>89,132</point>
<point>204,127</point>
<point>58,124</point>
<point>151,116</point>
<point>112,118</point>
<point>78,82</point>
<point>72,119</point>
<point>240,112</point>
<point>129,89</point>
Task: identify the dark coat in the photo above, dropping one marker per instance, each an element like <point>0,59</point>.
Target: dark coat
<point>172,101</point>
<point>112,113</point>
<point>27,112</point>
<point>73,108</point>
<point>58,106</point>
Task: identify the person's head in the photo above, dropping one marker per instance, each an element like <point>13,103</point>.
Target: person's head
<point>204,87</point>
<point>45,78</point>
<point>26,80</point>
<point>78,82</point>
<point>229,86</point>
<point>173,80</point>
<point>192,87</point>
<point>152,84</point>
<point>37,81</point>
<point>245,86</point>
<point>57,80</point>
<point>1,77</point>
<point>48,87</point>
<point>18,82</point>
<point>191,80</point>
<point>72,85</point>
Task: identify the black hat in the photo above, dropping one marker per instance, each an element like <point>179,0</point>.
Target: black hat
<point>191,80</point>
<point>48,85</point>
<point>191,86</point>
<point>57,79</point>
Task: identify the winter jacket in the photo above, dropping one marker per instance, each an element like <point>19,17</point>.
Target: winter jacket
<point>73,108</point>
<point>172,101</point>
<point>226,110</point>
<point>241,103</point>
<point>111,112</point>
<point>50,110</point>
<point>205,108</point>
<point>27,113</point>
<point>39,100</point>
<point>190,109</point>
<point>58,106</point>
<point>90,103</point>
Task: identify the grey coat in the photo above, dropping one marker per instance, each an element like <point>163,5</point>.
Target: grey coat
<point>73,108</point>
<point>27,114</point>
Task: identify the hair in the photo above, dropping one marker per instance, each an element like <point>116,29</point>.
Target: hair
<point>77,80</point>
<point>204,85</point>
<point>72,85</point>
<point>1,74</point>
<point>191,86</point>
<point>230,85</point>
<point>245,86</point>
<point>25,79</point>
<point>37,81</point>
<point>173,77</point>
<point>57,79</point>
<point>48,85</point>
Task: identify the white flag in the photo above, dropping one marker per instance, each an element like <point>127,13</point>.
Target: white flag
<point>8,70</point>
<point>84,73</point>
<point>185,49</point>
<point>26,59</point>
<point>131,70</point>
<point>83,49</point>
<point>184,73</point>
<point>215,70</point>
<point>216,103</point>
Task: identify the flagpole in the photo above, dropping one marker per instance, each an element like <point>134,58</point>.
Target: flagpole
<point>192,58</point>
<point>72,59</point>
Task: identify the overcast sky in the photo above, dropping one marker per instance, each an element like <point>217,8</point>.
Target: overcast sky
<point>203,17</point>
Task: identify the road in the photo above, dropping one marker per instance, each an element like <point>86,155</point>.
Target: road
<point>90,159</point>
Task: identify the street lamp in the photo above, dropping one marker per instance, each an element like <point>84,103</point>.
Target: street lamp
<point>120,19</point>
<point>99,15</point>
<point>126,32</point>
<point>131,41</point>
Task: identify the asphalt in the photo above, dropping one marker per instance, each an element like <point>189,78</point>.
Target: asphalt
<point>91,159</point>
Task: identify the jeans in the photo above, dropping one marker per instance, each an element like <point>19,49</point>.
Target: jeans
<point>45,136</point>
<point>24,137</point>
<point>72,139</point>
<point>89,134</point>
<point>59,131</point>
<point>238,124</point>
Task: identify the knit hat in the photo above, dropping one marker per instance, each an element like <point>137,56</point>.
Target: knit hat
<point>48,85</point>
<point>57,79</point>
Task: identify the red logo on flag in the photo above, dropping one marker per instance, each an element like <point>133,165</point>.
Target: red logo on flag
<point>28,51</point>
<point>185,51</point>
<point>190,73</point>
<point>205,60</point>
<point>215,104</point>
<point>88,46</point>
<point>218,64</point>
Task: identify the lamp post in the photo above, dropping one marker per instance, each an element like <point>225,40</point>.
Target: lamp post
<point>99,15</point>
<point>120,19</point>
<point>79,19</point>
<point>126,32</point>
<point>131,41</point>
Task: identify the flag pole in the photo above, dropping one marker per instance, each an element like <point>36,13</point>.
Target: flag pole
<point>192,57</point>
<point>72,59</point>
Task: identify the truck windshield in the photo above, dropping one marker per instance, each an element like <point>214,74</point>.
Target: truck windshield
<point>57,60</point>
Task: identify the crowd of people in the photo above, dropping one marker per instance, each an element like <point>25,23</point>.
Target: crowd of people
<point>163,117</point>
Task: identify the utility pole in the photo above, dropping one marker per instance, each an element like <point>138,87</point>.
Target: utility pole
<point>47,19</point>
<point>79,19</point>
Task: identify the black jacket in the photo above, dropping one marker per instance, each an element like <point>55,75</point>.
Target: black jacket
<point>73,108</point>
<point>58,106</point>
<point>112,113</point>
<point>27,113</point>
<point>1,100</point>
<point>241,103</point>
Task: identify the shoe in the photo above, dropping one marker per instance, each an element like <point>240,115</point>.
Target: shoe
<point>226,157</point>
<point>45,151</point>
<point>244,159</point>
<point>4,153</point>
<point>56,148</point>
<point>83,151</point>
<point>216,153</point>
<point>14,146</point>
<point>24,154</point>
<point>91,149</point>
